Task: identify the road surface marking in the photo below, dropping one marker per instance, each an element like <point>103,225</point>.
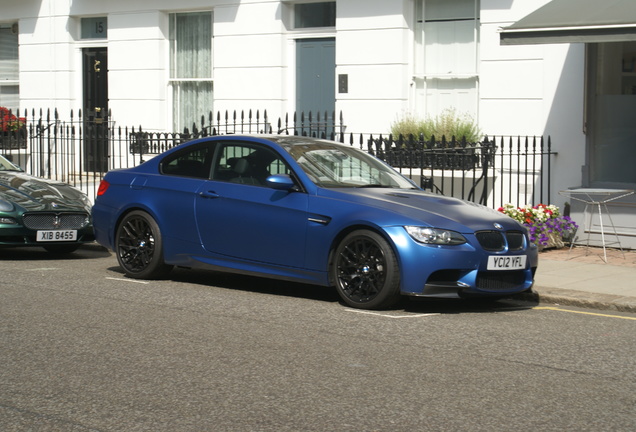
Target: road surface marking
<point>585,313</point>
<point>390,316</point>
<point>128,280</point>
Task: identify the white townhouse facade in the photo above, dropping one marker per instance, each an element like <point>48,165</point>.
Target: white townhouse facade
<point>162,64</point>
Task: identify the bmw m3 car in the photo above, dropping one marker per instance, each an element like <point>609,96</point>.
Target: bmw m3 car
<point>40,212</point>
<point>307,210</point>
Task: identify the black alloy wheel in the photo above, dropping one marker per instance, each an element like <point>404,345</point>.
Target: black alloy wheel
<point>366,271</point>
<point>139,247</point>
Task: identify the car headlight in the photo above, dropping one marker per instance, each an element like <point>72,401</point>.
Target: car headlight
<point>6,206</point>
<point>87,202</point>
<point>435,236</point>
<point>8,221</point>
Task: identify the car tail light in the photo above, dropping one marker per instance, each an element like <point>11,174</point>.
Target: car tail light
<point>103,186</point>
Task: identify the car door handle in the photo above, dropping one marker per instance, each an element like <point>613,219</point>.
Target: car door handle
<point>209,194</point>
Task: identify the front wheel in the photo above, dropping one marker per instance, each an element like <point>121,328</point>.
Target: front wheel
<point>366,271</point>
<point>139,247</point>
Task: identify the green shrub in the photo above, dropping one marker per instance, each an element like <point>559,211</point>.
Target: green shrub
<point>447,124</point>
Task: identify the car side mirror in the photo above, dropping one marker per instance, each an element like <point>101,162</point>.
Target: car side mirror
<point>281,182</point>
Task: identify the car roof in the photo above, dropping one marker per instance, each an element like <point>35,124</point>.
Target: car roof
<point>282,140</point>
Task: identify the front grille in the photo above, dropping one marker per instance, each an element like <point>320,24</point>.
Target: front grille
<point>515,240</point>
<point>53,221</point>
<point>491,240</point>
<point>496,240</point>
<point>500,280</point>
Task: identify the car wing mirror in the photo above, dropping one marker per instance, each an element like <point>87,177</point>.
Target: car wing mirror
<point>281,182</point>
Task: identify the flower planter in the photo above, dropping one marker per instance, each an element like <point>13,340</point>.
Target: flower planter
<point>554,241</point>
<point>13,139</point>
<point>546,227</point>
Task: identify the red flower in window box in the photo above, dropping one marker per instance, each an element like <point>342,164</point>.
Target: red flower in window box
<point>9,122</point>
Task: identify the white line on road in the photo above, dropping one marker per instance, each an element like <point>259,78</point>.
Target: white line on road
<point>390,316</point>
<point>128,280</point>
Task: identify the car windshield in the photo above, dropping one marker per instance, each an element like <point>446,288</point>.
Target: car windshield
<point>5,165</point>
<point>336,166</point>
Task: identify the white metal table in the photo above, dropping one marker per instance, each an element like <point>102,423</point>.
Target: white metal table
<point>597,198</point>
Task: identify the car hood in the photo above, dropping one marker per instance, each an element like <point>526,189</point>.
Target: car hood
<point>417,206</point>
<point>32,193</point>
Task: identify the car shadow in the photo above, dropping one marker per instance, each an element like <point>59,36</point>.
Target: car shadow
<point>35,253</point>
<point>277,287</point>
<point>256,284</point>
<point>247,283</point>
<point>472,305</point>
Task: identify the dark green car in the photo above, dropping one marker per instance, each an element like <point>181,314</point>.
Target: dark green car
<point>40,212</point>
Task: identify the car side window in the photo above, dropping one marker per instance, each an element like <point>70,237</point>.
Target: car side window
<point>248,164</point>
<point>192,162</point>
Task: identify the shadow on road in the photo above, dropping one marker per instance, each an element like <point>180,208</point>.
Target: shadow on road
<point>255,284</point>
<point>328,294</point>
<point>457,306</point>
<point>35,253</point>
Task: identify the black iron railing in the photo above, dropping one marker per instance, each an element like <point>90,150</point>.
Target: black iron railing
<point>492,172</point>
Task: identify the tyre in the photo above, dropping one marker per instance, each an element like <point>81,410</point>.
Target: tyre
<point>139,247</point>
<point>62,249</point>
<point>366,272</point>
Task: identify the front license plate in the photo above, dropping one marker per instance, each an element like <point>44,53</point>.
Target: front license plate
<point>57,235</point>
<point>507,262</point>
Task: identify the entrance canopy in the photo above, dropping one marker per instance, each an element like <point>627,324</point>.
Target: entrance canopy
<point>575,21</point>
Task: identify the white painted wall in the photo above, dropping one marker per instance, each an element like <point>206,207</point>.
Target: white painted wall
<point>534,90</point>
<point>250,57</point>
<point>524,90</point>
<point>46,56</point>
<point>374,48</point>
<point>138,61</point>
<point>254,62</point>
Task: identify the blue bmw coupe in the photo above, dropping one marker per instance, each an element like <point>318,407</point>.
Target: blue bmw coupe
<point>307,210</point>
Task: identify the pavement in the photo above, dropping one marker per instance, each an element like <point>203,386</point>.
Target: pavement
<point>581,277</point>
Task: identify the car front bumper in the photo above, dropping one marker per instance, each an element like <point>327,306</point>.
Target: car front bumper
<point>16,235</point>
<point>458,271</point>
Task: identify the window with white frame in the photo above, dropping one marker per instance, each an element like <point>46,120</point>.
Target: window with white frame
<point>9,71</point>
<point>190,67</point>
<point>446,59</point>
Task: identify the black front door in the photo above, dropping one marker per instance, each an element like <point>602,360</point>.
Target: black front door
<point>95,109</point>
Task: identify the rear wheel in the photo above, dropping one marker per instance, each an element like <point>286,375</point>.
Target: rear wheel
<point>139,247</point>
<point>366,271</point>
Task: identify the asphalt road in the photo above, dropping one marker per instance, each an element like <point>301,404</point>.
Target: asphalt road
<point>82,348</point>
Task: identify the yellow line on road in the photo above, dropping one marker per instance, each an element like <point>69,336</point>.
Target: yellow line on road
<point>584,313</point>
